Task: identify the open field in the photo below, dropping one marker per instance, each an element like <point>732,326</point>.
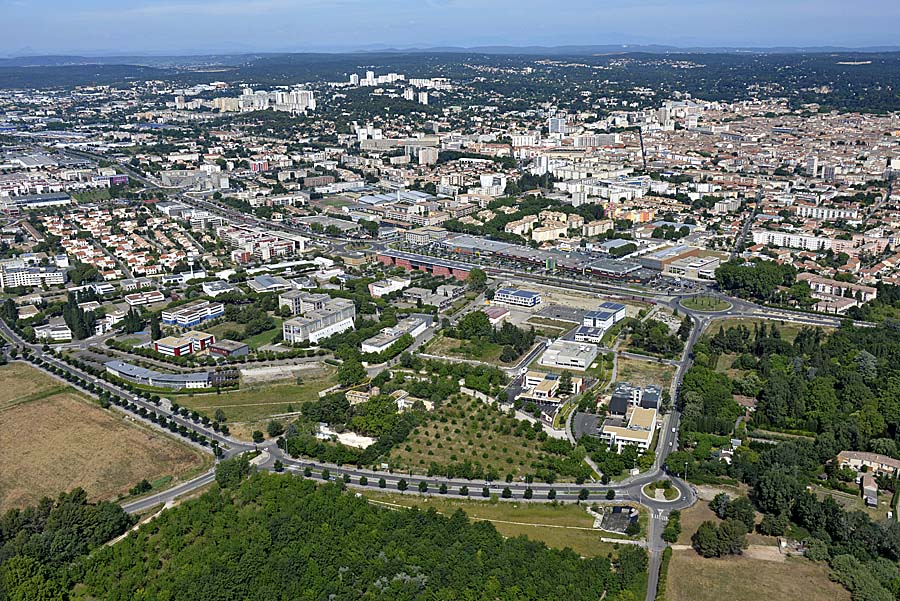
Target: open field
<point>693,578</point>
<point>554,295</point>
<point>641,373</point>
<point>259,402</point>
<point>444,346</point>
<point>62,441</point>
<point>788,330</point>
<point>557,526</point>
<point>255,341</point>
<point>20,383</point>
<point>464,429</point>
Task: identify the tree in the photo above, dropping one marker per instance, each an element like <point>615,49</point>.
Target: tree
<point>423,487</point>
<point>507,493</point>
<point>529,493</point>
<point>551,494</point>
<point>155,328</point>
<point>610,494</point>
<point>402,484</point>
<point>275,428</point>
<point>565,382</point>
<point>633,528</point>
<point>363,481</point>
<point>732,537</point>
<point>382,483</point>
<point>774,525</point>
<point>258,436</point>
<point>464,491</point>
<point>719,504</point>
<point>706,540</point>
<point>278,466</point>
<point>230,472</point>
<point>583,494</point>
<point>351,372</point>
<point>219,416</point>
<point>442,488</point>
<point>477,279</point>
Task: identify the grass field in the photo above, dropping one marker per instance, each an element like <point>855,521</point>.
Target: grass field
<point>693,578</point>
<point>464,429</point>
<point>705,303</point>
<point>641,373</point>
<point>55,441</point>
<point>259,402</point>
<point>557,526</point>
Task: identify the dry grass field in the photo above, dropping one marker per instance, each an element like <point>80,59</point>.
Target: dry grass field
<point>693,578</point>
<point>52,441</point>
<point>558,526</point>
<point>641,373</point>
<point>20,383</point>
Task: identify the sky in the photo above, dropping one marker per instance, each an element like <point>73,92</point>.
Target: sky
<point>103,27</point>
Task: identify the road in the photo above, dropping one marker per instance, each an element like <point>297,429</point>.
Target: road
<point>629,489</point>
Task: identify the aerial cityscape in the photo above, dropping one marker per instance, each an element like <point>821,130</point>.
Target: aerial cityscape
<point>452,312</point>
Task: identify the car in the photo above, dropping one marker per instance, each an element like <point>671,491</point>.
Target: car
<point>673,430</point>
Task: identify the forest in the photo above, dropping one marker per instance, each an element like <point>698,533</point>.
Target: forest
<point>829,393</point>
<point>283,537</point>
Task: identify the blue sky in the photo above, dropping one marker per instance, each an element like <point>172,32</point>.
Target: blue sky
<point>196,26</point>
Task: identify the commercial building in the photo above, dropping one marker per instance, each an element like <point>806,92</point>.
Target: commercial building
<point>186,344</point>
<point>635,429</point>
<point>570,355</point>
<point>517,298</point>
<point>432,265</point>
<point>216,288</point>
<point>187,316</point>
<point>335,316</point>
<point>413,325</point>
<point>229,348</point>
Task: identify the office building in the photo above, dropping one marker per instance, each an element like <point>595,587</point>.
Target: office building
<point>186,344</point>
<point>517,298</point>
<point>413,325</point>
<point>636,428</point>
<point>336,316</point>
<point>564,354</point>
<point>29,277</point>
<point>187,316</point>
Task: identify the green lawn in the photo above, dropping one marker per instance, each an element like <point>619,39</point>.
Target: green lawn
<point>705,303</point>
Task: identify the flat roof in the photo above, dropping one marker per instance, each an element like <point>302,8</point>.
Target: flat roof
<point>518,292</point>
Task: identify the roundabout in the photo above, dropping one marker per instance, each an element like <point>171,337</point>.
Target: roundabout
<point>705,304</point>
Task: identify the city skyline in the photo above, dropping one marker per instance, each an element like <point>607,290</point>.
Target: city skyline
<point>100,27</point>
